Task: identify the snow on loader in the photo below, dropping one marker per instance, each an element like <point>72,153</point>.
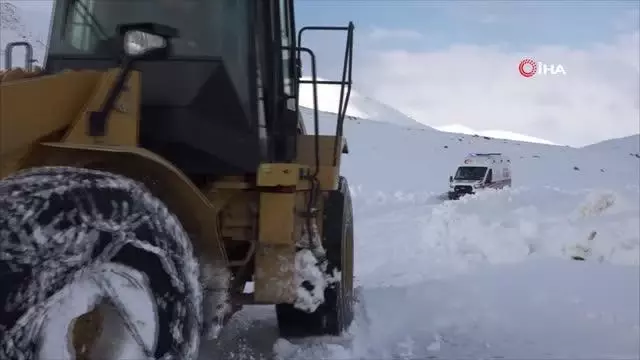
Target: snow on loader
<point>155,165</point>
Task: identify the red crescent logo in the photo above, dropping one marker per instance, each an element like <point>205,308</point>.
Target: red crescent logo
<point>530,64</point>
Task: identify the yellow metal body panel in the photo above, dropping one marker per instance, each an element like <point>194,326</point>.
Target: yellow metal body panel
<point>275,174</point>
<point>228,212</point>
<point>18,73</point>
<point>277,218</point>
<point>280,217</point>
<point>54,133</point>
<point>278,206</point>
<point>279,231</point>
<point>274,274</point>
<point>31,109</point>
<point>328,174</point>
<point>122,126</point>
<point>197,214</point>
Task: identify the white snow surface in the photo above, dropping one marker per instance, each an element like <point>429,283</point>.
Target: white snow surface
<point>489,275</point>
<point>306,269</point>
<point>499,134</point>
<point>82,296</point>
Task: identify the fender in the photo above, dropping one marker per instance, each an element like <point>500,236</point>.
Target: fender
<point>198,215</point>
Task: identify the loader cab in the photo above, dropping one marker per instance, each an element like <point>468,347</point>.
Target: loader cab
<point>223,101</point>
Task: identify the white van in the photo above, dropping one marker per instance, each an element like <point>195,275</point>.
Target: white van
<point>480,171</point>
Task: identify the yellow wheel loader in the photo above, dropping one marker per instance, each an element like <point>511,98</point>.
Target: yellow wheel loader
<point>155,169</point>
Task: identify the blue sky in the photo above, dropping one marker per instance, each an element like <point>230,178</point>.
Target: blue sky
<point>514,24</point>
<point>456,62</point>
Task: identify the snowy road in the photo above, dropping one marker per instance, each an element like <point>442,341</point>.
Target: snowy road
<point>485,277</point>
<point>588,311</point>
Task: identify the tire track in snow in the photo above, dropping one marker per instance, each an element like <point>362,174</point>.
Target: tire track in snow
<point>459,279</point>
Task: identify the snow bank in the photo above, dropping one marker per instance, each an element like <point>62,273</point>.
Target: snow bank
<point>490,276</point>
<point>542,308</point>
<point>495,227</point>
<point>538,309</point>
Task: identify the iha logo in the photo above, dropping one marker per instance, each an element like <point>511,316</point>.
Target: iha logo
<point>528,68</point>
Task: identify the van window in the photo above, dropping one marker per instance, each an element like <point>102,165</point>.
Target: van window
<point>474,173</point>
<point>489,177</point>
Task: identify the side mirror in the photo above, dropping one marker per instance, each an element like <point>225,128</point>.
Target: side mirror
<point>149,41</point>
<point>137,43</point>
<point>450,178</point>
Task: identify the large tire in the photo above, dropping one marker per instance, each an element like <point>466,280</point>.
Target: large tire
<point>335,315</point>
<point>59,225</point>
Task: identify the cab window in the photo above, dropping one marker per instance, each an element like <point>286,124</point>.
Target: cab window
<point>286,34</point>
<point>81,28</point>
<point>207,27</point>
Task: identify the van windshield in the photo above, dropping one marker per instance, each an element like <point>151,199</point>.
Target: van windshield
<point>470,173</point>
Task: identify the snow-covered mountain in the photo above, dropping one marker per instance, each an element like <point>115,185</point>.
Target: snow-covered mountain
<point>498,134</point>
<point>360,106</point>
<point>364,107</point>
<point>625,145</point>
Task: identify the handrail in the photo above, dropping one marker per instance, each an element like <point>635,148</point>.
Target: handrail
<point>28,55</point>
<point>345,81</point>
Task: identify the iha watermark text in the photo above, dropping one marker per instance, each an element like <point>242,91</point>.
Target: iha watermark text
<point>530,68</point>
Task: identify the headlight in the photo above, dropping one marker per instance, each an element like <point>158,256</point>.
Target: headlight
<point>139,42</point>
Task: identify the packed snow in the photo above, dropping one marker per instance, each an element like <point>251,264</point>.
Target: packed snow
<point>489,275</point>
<point>83,295</point>
<point>311,267</point>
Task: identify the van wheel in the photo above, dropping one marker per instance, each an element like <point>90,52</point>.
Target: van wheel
<point>336,313</point>
<point>93,263</point>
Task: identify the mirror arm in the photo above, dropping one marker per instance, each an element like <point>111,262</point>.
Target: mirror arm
<point>98,119</point>
<point>97,125</point>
